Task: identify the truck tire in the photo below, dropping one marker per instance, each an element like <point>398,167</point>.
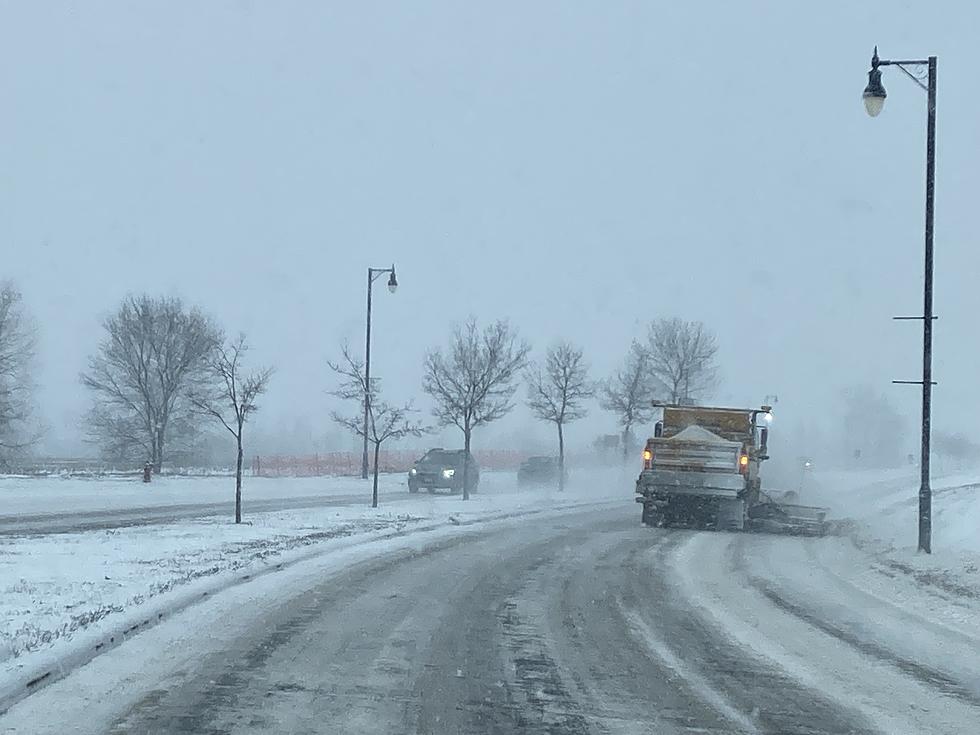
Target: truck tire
<point>412,489</point>
<point>652,517</point>
<point>647,517</point>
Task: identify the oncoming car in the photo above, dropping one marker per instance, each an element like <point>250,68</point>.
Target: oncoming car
<point>442,469</point>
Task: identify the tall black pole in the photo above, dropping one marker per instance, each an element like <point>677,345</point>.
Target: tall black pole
<point>367,378</point>
<point>925,491</point>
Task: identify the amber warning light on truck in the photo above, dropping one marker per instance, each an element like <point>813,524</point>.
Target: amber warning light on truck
<point>647,458</point>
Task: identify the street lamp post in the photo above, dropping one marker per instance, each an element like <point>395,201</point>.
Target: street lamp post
<point>373,274</point>
<point>874,99</point>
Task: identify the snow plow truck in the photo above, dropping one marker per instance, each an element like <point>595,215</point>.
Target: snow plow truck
<point>702,467</point>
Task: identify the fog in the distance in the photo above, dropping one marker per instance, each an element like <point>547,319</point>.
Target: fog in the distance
<point>577,170</point>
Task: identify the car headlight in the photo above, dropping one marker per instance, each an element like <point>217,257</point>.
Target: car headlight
<point>413,472</point>
<point>448,473</point>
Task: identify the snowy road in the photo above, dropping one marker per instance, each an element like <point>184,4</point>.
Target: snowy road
<point>57,506</point>
<point>577,623</point>
<point>97,520</point>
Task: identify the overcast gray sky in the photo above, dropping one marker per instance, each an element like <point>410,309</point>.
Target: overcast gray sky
<point>580,168</point>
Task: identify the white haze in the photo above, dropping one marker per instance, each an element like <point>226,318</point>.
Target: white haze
<point>578,169</point>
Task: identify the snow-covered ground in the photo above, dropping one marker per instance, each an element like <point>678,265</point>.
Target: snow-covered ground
<point>902,654</point>
<point>54,588</point>
<point>871,591</point>
<point>859,615</point>
<point>30,496</point>
<point>879,510</point>
<point>887,503</point>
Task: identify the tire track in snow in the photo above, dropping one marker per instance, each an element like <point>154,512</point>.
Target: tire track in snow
<point>875,691</point>
<point>925,674</point>
<point>660,650</point>
<point>929,675</point>
<point>776,701</point>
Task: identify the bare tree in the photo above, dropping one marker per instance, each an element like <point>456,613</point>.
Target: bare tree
<point>385,421</point>
<point>558,391</point>
<point>18,343</point>
<point>233,398</point>
<point>629,393</point>
<point>154,355</point>
<point>473,383</point>
<point>682,357</point>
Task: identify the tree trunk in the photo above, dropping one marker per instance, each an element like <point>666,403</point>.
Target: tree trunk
<point>238,481</point>
<point>466,465</point>
<point>561,458</point>
<point>626,445</point>
<point>158,465</point>
<point>374,493</point>
<point>155,452</point>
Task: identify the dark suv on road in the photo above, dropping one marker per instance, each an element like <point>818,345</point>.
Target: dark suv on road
<point>539,471</point>
<point>443,468</point>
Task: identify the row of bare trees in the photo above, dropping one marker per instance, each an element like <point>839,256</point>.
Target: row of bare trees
<point>160,367</point>
<point>472,382</point>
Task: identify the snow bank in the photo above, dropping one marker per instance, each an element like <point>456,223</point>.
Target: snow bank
<point>878,512</point>
<point>885,505</point>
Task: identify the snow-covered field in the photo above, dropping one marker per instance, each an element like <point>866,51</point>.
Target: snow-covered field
<point>25,495</point>
<point>54,588</point>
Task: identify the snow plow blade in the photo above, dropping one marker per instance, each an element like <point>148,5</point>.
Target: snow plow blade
<point>804,520</point>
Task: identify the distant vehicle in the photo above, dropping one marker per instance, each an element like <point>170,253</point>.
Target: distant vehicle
<point>442,469</point>
<point>539,471</point>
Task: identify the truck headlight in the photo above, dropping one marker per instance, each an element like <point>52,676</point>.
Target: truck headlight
<point>448,473</point>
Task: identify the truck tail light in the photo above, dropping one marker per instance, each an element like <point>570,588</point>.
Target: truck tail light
<point>743,463</point>
<point>647,459</point>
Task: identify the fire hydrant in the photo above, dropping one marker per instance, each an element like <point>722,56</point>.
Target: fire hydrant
<point>147,472</point>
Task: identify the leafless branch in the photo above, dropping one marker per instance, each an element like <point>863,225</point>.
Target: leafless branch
<point>681,355</point>
<point>557,391</point>
<point>233,397</point>
<point>474,384</point>
<point>629,393</point>
<point>385,422</point>
<point>353,383</point>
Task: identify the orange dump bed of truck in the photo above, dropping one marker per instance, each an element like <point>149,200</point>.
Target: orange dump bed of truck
<point>731,424</point>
